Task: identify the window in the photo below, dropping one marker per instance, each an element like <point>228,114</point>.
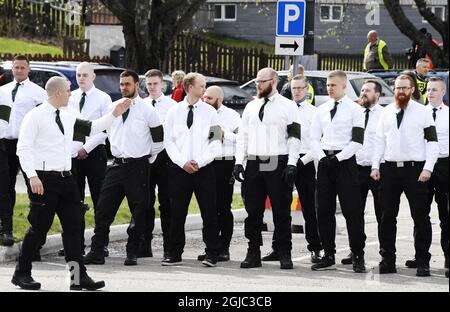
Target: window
<point>331,13</point>
<point>439,11</point>
<point>225,12</point>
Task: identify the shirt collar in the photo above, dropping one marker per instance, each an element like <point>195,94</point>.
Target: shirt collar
<point>49,106</point>
<point>186,103</point>
<point>88,92</point>
<point>441,106</point>
<point>302,104</point>
<point>159,99</point>
<point>23,83</point>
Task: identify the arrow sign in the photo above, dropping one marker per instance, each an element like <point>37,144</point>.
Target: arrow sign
<point>289,45</point>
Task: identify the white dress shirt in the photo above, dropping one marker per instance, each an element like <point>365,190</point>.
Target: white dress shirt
<point>306,113</point>
<point>337,134</point>
<point>42,145</point>
<point>406,143</point>
<point>364,156</point>
<point>442,121</point>
<point>5,112</point>
<point>163,104</point>
<point>229,121</point>
<point>270,136</point>
<point>97,104</point>
<point>28,96</point>
<point>184,144</point>
<point>133,139</point>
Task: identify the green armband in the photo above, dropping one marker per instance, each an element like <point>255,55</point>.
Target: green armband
<point>82,129</point>
<point>430,134</point>
<point>358,135</point>
<point>5,112</point>
<point>157,134</point>
<point>294,131</point>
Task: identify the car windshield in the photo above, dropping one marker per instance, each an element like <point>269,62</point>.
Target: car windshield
<point>358,83</point>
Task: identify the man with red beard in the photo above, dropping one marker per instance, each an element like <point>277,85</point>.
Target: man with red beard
<point>369,97</point>
<point>406,138</point>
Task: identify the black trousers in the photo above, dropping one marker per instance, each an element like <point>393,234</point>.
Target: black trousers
<point>94,169</point>
<point>181,186</point>
<point>306,189</point>
<point>395,181</point>
<point>366,184</point>
<point>224,198</point>
<point>10,168</point>
<point>159,177</point>
<point>262,179</point>
<point>131,181</point>
<point>438,187</point>
<point>61,197</point>
<point>341,180</point>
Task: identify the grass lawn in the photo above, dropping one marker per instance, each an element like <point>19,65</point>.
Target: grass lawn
<point>21,209</point>
<point>14,46</point>
<point>238,42</point>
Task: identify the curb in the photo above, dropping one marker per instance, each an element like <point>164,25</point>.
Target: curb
<point>117,233</point>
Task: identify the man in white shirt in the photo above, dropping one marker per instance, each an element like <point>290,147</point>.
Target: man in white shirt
<point>438,185</point>
<point>337,133</point>
<point>192,139</point>
<point>407,141</point>
<point>369,97</point>
<point>44,150</point>
<point>24,96</point>
<point>269,138</point>
<point>223,166</point>
<point>135,138</point>
<point>159,169</point>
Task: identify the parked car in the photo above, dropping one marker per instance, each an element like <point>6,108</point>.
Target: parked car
<point>235,97</point>
<point>318,80</point>
<point>107,78</point>
<point>390,75</point>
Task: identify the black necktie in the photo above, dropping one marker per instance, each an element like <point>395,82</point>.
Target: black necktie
<point>261,111</point>
<point>154,103</point>
<point>400,117</point>
<point>125,115</point>
<point>434,113</point>
<point>83,100</point>
<point>190,116</point>
<point>14,91</point>
<point>334,110</point>
<point>58,121</point>
<point>367,117</point>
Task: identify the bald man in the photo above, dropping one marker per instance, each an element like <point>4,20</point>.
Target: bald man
<point>44,150</point>
<point>376,53</point>
<point>229,122</point>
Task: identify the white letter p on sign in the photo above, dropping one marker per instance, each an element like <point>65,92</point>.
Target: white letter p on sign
<point>288,17</point>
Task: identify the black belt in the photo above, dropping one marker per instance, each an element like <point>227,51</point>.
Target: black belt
<point>443,159</point>
<point>331,153</point>
<point>266,159</point>
<point>404,164</point>
<point>59,174</point>
<point>122,161</point>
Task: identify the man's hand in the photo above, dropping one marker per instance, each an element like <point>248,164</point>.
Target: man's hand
<point>375,174</point>
<point>289,175</point>
<point>425,176</point>
<point>82,154</point>
<point>195,165</point>
<point>237,172</point>
<point>190,168</point>
<point>122,107</point>
<point>36,186</point>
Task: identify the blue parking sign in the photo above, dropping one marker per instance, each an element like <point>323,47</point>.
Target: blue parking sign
<point>291,18</point>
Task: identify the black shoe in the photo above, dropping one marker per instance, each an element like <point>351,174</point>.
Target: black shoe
<point>423,270</point>
<point>172,261</point>
<point>131,259</point>
<point>145,250</point>
<point>201,257</point>
<point>88,283</point>
<point>412,264</point>
<point>286,261</point>
<point>210,261</point>
<point>224,256</point>
<point>386,267</point>
<point>327,263</point>
<point>315,257</point>
<point>8,240</point>
<point>166,254</point>
<point>359,264</point>
<point>94,258</point>
<point>272,256</point>
<point>348,260</point>
<point>25,282</point>
<point>252,260</point>
<point>37,256</point>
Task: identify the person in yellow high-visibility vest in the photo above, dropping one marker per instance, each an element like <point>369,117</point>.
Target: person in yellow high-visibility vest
<point>286,90</point>
<point>376,54</point>
<point>421,72</point>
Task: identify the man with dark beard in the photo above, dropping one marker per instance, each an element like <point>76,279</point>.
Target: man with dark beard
<point>406,138</point>
<point>269,138</point>
<point>369,97</point>
<point>223,166</point>
<point>135,139</point>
